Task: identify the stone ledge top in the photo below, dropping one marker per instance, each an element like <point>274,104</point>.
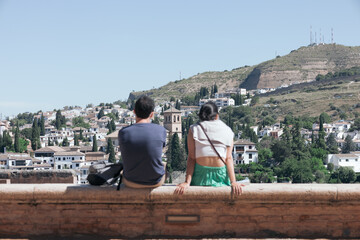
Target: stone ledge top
<point>281,193</point>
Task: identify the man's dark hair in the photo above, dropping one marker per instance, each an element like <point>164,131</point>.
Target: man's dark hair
<point>144,106</point>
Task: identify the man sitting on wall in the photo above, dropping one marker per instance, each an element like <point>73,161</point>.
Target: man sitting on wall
<point>141,146</point>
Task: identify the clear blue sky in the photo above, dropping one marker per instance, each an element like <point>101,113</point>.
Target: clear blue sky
<point>66,52</point>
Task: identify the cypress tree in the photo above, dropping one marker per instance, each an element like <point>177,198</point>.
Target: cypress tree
<point>42,125</point>
<point>81,137</point>
<point>95,147</point>
<point>58,119</point>
<point>35,135</point>
<point>1,144</point>
<point>176,154</point>
<point>113,126</point>
<point>177,105</point>
<point>76,140</point>
<point>7,141</point>
<point>110,150</point>
<point>101,113</point>
<point>65,142</point>
<point>215,88</point>
<point>16,141</point>
<point>109,127</point>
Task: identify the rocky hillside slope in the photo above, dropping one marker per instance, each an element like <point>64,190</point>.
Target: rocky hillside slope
<point>301,65</point>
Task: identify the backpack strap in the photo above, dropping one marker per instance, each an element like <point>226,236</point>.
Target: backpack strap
<point>212,145</point>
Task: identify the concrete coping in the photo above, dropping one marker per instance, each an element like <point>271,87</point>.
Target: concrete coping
<point>278,193</point>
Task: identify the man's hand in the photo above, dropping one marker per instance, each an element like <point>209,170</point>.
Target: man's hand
<point>180,189</point>
<point>237,188</point>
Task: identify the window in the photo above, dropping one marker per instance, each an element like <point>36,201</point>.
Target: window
<point>250,156</point>
<point>347,160</point>
<point>73,158</point>
<point>80,158</point>
<point>77,165</point>
<point>250,147</point>
<point>59,167</point>
<point>64,158</point>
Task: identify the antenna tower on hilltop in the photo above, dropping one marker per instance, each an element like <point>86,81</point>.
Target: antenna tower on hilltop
<point>311,37</point>
<point>332,36</point>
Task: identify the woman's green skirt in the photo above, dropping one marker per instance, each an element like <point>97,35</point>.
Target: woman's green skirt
<point>210,176</point>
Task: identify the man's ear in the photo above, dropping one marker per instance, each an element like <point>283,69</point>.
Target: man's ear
<point>134,112</point>
<point>151,115</point>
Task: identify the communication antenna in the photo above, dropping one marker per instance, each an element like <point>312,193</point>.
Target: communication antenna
<point>320,37</point>
<point>332,36</point>
<point>315,39</point>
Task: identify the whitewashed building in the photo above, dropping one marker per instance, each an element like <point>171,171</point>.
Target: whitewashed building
<point>220,102</point>
<point>64,160</point>
<point>351,160</point>
<point>244,152</point>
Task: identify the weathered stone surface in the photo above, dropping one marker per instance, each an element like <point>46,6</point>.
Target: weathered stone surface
<point>263,211</point>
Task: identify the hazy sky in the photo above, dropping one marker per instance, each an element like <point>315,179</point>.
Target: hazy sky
<point>55,53</point>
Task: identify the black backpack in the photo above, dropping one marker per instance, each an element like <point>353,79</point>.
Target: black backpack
<point>105,173</point>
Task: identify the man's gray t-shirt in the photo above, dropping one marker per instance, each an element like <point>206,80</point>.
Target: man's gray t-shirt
<point>141,146</point>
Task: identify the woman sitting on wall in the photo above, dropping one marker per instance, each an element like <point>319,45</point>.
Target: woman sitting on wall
<point>210,144</point>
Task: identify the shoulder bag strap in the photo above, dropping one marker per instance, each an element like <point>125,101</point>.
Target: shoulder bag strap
<point>212,145</point>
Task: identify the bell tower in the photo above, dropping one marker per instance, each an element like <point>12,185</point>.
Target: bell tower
<point>172,121</point>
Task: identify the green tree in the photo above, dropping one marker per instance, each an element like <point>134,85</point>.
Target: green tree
<point>332,144</point>
<point>76,140</point>
<point>343,175</point>
<point>26,133</point>
<point>320,143</point>
<point>177,105</point>
<point>42,125</point>
<point>109,126</point>
<point>101,113</point>
<point>23,143</point>
<point>17,139</point>
<point>1,144</point>
<point>80,122</point>
<point>330,167</point>
<point>81,137</point>
<point>94,147</point>
<point>65,142</point>
<point>59,120</point>
<point>176,155</point>
<point>348,145</point>
<point>6,141</point>
<point>35,135</point>
<point>110,150</point>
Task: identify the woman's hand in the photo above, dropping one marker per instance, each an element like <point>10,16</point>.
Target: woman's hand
<point>237,188</point>
<point>180,189</point>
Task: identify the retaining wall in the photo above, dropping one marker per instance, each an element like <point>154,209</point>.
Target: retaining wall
<point>263,211</point>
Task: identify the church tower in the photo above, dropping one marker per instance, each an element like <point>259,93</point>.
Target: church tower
<point>172,121</point>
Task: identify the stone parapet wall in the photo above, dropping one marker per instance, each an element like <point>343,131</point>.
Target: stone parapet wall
<point>263,211</point>
<point>38,176</point>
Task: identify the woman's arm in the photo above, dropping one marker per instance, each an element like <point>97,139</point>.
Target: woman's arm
<point>236,187</point>
<point>190,164</point>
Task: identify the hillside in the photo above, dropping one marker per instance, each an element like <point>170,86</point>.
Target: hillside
<point>336,96</point>
<point>301,65</point>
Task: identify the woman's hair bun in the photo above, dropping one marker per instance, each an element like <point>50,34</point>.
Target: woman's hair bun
<point>208,111</point>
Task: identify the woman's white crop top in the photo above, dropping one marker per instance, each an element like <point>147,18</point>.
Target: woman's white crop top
<point>220,135</point>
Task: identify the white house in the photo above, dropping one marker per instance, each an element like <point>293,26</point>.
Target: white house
<point>16,161</point>
<point>345,160</point>
<point>46,154</point>
<point>244,152</point>
<point>64,160</point>
<point>220,102</point>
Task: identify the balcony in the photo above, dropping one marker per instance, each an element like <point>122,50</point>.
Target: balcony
<point>263,211</point>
